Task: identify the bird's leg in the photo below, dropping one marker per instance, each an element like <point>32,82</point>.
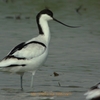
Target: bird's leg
<point>32,81</point>
<point>21,80</point>
<point>33,73</point>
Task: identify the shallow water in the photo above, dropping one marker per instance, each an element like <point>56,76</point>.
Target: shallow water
<point>74,53</point>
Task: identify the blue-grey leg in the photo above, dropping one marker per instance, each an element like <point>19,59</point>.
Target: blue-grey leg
<point>33,73</point>
<point>21,80</point>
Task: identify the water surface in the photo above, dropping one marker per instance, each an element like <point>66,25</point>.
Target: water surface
<point>74,53</point>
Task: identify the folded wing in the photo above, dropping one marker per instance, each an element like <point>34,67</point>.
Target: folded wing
<point>22,52</point>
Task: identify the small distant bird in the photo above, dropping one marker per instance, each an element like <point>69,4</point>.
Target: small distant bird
<point>56,74</point>
<point>30,55</point>
<point>93,93</point>
<point>78,9</point>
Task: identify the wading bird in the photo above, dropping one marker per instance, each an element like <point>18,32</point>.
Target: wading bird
<point>30,55</point>
<point>93,93</point>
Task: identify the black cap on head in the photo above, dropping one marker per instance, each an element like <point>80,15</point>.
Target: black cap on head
<point>45,11</point>
<point>50,13</point>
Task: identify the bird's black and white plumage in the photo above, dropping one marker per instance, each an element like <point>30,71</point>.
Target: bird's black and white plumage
<point>29,56</point>
<point>93,93</point>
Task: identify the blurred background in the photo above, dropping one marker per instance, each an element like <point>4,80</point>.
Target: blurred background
<point>74,53</point>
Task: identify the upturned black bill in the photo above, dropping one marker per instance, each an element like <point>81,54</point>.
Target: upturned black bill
<point>65,24</point>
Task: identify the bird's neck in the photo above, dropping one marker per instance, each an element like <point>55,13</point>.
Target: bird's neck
<point>44,29</point>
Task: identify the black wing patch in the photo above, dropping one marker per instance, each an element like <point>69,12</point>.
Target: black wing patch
<point>18,47</point>
<point>37,43</point>
<point>13,57</point>
<point>14,65</point>
<point>22,45</point>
